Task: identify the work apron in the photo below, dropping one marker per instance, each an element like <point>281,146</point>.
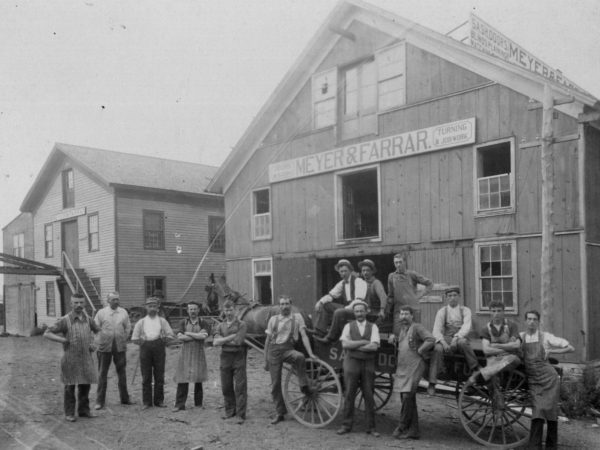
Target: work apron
<point>410,366</point>
<point>543,381</point>
<point>191,366</point>
<point>77,364</point>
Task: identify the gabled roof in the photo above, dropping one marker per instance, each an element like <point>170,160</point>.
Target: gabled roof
<point>111,169</point>
<point>345,12</point>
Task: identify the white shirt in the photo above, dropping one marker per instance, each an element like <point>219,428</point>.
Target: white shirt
<point>361,330</point>
<point>360,290</point>
<point>550,341</point>
<point>151,327</point>
<point>453,316</point>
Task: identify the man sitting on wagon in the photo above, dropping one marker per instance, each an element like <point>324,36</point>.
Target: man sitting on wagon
<point>451,328</point>
<point>339,312</point>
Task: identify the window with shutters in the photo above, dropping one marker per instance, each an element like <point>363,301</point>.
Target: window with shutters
<point>48,240</point>
<point>261,214</point>
<point>154,230</point>
<point>93,233</point>
<point>19,245</point>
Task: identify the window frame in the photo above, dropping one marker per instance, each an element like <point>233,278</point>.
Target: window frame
<point>161,245</point>
<point>513,310</point>
<point>216,236</point>
<point>332,72</point>
<point>49,254</point>
<point>155,277</point>
<point>68,193</point>
<point>268,235</point>
<point>362,114</point>
<point>90,233</point>
<point>339,205</point>
<point>379,55</point>
<point>262,274</point>
<point>19,245</point>
<point>478,212</point>
<point>50,312</point>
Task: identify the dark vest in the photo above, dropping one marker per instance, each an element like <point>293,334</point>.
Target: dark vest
<point>355,336</point>
<point>352,287</point>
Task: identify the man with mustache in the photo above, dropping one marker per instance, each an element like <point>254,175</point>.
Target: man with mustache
<point>414,341</point>
<point>77,365</point>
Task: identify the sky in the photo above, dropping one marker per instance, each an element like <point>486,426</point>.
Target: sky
<point>182,79</point>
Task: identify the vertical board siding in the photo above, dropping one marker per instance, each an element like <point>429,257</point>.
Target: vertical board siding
<point>592,187</point>
<point>186,225</point>
<point>593,289</point>
<point>296,277</point>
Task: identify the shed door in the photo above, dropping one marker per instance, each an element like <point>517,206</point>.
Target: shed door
<point>70,241</point>
<point>20,309</point>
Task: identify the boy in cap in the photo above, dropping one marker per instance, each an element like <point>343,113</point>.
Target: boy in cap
<point>345,292</point>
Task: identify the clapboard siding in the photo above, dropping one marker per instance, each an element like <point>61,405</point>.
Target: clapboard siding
<point>186,225</point>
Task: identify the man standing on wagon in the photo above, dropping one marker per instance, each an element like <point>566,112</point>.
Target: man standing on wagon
<point>360,340</point>
<point>191,364</point>
<point>77,365</point>
<point>402,288</point>
<point>283,331</point>
<point>451,328</point>
<point>335,308</point>
<point>414,341</point>
<point>543,380</point>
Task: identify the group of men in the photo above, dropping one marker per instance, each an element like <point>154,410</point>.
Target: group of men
<point>420,352</point>
<point>350,313</point>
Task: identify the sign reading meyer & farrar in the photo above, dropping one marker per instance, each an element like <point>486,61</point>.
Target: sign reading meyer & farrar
<point>439,137</point>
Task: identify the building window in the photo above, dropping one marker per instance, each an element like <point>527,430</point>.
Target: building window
<point>19,245</point>
<point>68,189</point>
<point>358,199</point>
<point>216,234</point>
<point>324,90</point>
<point>50,299</point>
<point>494,177</point>
<point>153,284</point>
<point>261,211</point>
<point>48,240</point>
<point>262,274</point>
<point>391,67</point>
<point>96,284</point>
<point>359,106</point>
<point>93,234</point>
<point>496,267</point>
<point>154,230</point>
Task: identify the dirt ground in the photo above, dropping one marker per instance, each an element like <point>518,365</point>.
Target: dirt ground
<point>31,413</point>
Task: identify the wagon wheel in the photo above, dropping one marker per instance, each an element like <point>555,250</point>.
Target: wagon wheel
<point>496,420</point>
<point>325,401</point>
<point>383,389</point>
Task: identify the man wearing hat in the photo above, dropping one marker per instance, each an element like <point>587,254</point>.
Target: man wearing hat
<point>115,327</point>
<point>376,297</point>
<point>191,365</point>
<point>360,340</point>
<point>349,289</point>
<point>151,334</point>
<point>451,329</point>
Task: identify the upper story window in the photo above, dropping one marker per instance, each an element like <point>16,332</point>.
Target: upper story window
<point>216,234</point>
<point>154,230</point>
<point>19,245</point>
<point>68,188</point>
<point>374,85</point>
<point>93,233</point>
<point>494,177</point>
<point>358,199</point>
<point>496,274</point>
<point>261,214</point>
<point>48,241</point>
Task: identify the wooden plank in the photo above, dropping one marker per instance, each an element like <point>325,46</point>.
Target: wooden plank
<point>455,193</point>
<point>409,192</point>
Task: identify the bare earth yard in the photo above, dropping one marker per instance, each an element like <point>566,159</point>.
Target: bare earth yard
<point>31,413</point>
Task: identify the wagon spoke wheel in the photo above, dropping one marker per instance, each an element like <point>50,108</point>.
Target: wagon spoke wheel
<point>325,401</point>
<point>495,416</point>
<point>382,392</point>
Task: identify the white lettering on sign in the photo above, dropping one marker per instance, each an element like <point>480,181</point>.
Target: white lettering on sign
<point>69,213</point>
<point>430,139</point>
<point>489,40</point>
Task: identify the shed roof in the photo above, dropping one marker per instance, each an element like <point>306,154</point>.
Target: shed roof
<point>110,168</point>
<point>347,11</point>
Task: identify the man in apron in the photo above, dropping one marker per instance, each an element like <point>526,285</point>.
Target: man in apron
<point>283,331</point>
<point>451,330</point>
<point>360,340</point>
<point>77,365</point>
<point>544,383</point>
<point>230,336</point>
<point>191,364</point>
<point>414,342</point>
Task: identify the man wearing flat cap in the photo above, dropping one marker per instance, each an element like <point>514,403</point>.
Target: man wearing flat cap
<point>451,330</point>
<point>151,333</point>
<point>115,327</point>
<point>343,294</point>
<point>376,297</point>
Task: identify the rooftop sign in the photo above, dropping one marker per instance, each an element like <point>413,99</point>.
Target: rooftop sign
<point>425,140</point>
<point>489,40</point>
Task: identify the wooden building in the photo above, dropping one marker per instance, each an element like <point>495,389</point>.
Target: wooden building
<point>124,222</point>
<point>388,137</point>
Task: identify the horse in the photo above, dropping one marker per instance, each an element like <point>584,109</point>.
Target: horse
<point>212,297</point>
